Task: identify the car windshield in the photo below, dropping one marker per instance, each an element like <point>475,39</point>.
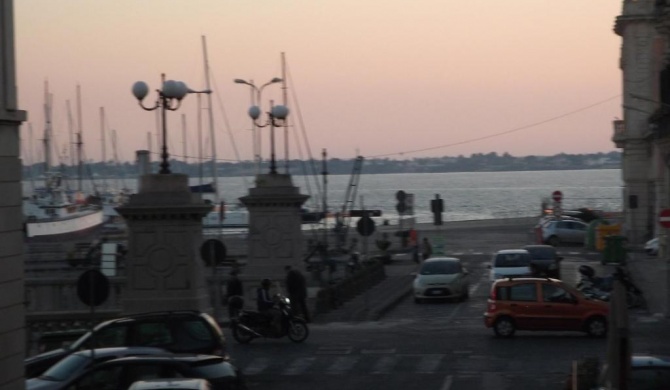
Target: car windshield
<point>215,369</point>
<point>440,268</point>
<point>65,368</point>
<point>512,260</point>
<point>540,253</point>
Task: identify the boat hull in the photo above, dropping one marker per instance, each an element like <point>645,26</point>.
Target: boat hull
<point>60,228</point>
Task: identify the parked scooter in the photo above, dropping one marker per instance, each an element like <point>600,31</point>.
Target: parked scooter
<point>248,325</point>
<point>601,287</point>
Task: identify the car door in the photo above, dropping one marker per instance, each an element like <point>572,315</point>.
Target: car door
<point>559,309</point>
<point>523,304</point>
<point>106,377</point>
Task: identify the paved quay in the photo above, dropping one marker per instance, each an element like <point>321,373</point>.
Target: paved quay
<point>648,272</point>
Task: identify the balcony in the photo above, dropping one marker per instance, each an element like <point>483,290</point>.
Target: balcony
<point>619,137</point>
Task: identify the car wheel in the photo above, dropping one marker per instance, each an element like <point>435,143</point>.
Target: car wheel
<point>596,327</point>
<point>504,327</point>
<point>553,241</point>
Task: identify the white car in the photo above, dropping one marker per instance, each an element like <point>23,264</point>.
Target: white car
<point>510,263</point>
<point>651,247</point>
<point>440,278</point>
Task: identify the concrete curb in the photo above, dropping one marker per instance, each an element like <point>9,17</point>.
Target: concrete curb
<point>389,303</point>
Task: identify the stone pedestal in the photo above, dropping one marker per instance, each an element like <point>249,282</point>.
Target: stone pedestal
<point>275,233</point>
<point>164,268</point>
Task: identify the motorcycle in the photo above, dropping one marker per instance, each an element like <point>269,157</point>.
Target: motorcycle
<point>248,325</point>
<point>601,287</point>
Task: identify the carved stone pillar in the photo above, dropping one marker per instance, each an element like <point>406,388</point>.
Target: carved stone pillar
<point>164,269</point>
<point>275,233</point>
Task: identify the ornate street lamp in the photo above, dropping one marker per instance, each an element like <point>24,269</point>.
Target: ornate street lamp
<point>169,98</point>
<point>254,112</point>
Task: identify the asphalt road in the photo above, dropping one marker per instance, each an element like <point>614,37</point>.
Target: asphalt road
<point>440,345</point>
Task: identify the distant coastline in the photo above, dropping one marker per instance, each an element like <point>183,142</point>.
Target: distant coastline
<point>477,162</point>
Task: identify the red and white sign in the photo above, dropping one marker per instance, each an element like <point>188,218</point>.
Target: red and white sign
<point>557,196</point>
<point>664,218</point>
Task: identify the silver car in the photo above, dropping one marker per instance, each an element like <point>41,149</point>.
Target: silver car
<point>557,232</point>
<point>441,278</point>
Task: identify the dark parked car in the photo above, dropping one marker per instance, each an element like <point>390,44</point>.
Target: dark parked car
<point>119,374</point>
<point>544,261</point>
<point>74,364</point>
<point>184,331</point>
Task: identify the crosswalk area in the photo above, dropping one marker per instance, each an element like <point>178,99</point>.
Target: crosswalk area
<point>456,368</point>
<point>374,362</point>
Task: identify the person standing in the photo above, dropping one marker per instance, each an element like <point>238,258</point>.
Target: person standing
<point>426,248</point>
<point>296,286</point>
<point>266,305</point>
<point>234,288</point>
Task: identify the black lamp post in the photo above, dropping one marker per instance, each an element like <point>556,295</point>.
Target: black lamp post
<point>276,117</point>
<point>169,98</point>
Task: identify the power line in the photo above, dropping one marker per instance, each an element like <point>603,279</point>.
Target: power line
<point>500,133</point>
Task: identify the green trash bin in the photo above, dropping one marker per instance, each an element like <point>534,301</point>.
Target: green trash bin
<point>615,250</point>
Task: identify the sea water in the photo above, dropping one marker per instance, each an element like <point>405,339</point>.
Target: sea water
<point>466,195</point>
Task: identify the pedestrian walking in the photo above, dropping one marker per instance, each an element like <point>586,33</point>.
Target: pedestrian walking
<point>296,286</point>
<point>426,248</point>
<point>234,288</point>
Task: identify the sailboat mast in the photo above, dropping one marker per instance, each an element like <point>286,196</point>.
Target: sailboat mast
<point>200,152</point>
<point>285,102</point>
<point>80,166</point>
<point>47,128</point>
<point>104,148</point>
<point>211,118</point>
<point>183,134</point>
<point>70,126</point>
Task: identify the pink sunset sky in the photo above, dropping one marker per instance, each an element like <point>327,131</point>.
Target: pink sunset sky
<point>393,78</point>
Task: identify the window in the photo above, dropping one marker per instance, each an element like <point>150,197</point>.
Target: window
<point>553,293</point>
<point>440,268</point>
<point>114,336</point>
<point>150,334</point>
<point>512,260</point>
<point>523,292</point>
<point>105,378</point>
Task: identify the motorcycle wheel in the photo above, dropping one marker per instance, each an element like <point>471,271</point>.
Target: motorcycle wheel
<point>297,330</point>
<point>242,336</point>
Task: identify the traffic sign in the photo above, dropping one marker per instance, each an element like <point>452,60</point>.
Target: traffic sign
<point>664,218</point>
<point>557,196</point>
<point>213,251</point>
<point>93,288</point>
<point>365,226</point>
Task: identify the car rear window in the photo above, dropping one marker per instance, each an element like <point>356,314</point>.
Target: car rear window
<point>440,268</point>
<point>193,335</point>
<point>542,253</point>
<point>512,260</point>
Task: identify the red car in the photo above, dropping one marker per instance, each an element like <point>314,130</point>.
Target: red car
<point>543,304</point>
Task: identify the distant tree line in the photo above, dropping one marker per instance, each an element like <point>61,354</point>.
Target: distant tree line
<point>477,162</point>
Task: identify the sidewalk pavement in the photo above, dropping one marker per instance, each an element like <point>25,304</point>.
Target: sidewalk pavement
<point>372,304</point>
<point>649,273</point>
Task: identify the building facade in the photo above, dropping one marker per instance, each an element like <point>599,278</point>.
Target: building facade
<point>644,132</point>
<point>12,310</point>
